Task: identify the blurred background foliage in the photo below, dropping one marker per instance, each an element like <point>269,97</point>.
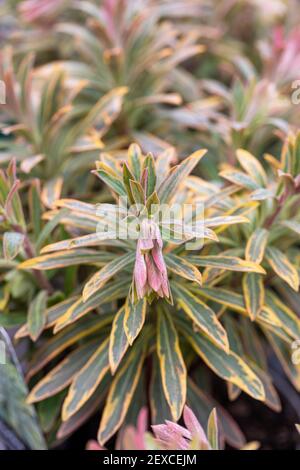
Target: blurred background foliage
<point>85,77</point>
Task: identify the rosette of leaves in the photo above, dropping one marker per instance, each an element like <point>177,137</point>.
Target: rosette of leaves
<point>272,240</point>
<point>51,131</point>
<point>133,45</point>
<point>107,342</point>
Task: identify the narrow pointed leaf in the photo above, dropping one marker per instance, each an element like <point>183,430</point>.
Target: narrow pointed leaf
<point>12,244</point>
<point>183,268</point>
<point>212,430</point>
<point>202,316</point>
<point>66,258</point>
<point>160,409</point>
<point>37,315</point>
<point>118,342</point>
<point>121,392</point>
<point>170,185</point>
<point>254,293</point>
<point>288,319</point>
<point>256,245</point>
<point>227,365</point>
<point>283,267</point>
<point>252,166</point>
<point>230,263</point>
<point>134,318</point>
<point>240,179</point>
<point>86,381</point>
<point>115,290</point>
<point>101,277</point>
<point>172,366</point>
<point>62,375</point>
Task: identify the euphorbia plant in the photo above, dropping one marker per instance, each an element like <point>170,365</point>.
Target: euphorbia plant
<point>145,313</point>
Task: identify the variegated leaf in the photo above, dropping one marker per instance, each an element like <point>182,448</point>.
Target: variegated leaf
<point>177,176</point>
<point>183,268</point>
<point>212,430</point>
<point>172,366</point>
<point>227,365</point>
<point>254,293</point>
<point>160,409</point>
<point>62,375</point>
<point>12,244</point>
<point>280,263</point>
<point>64,339</point>
<point>288,319</point>
<point>252,166</point>
<point>86,381</point>
<point>99,279</point>
<point>231,263</point>
<point>115,290</point>
<point>240,179</point>
<point>37,315</point>
<point>202,316</point>
<point>121,392</point>
<point>66,258</point>
<point>118,342</point>
<point>256,245</point>
<point>134,318</point>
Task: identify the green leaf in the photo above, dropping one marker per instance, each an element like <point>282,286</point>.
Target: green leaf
<point>160,410</point>
<point>62,375</point>
<point>284,354</point>
<point>49,227</point>
<point>222,296</point>
<point>176,177</point>
<point>14,409</point>
<point>134,157</point>
<point>58,343</point>
<point>283,267</point>
<point>240,179</point>
<point>227,365</point>
<point>66,258</point>
<point>254,294</point>
<point>183,268</point>
<point>113,291</point>
<point>202,316</point>
<point>35,207</point>
<point>252,166</point>
<point>121,392</point>
<point>99,279</point>
<point>37,315</point>
<point>127,177</point>
<point>151,180</point>
<point>172,366</point>
<point>118,342</point>
<point>231,263</point>
<point>288,319</point>
<point>134,318</point>
<point>137,192</point>
<point>256,245</point>
<point>292,225</point>
<point>212,430</point>
<point>86,381</point>
<point>110,178</point>
<point>12,244</point>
